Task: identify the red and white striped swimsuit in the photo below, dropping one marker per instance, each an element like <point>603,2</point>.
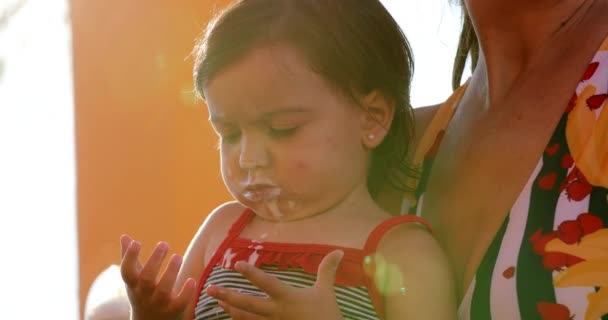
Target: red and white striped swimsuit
<point>296,264</point>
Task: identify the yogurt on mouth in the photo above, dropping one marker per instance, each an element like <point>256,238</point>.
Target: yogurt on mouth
<point>262,193</point>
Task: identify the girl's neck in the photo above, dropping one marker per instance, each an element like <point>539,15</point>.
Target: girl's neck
<point>357,202</point>
<point>346,224</point>
<point>517,35</point>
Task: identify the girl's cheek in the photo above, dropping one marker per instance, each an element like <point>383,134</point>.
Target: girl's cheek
<point>227,172</point>
<point>331,142</point>
<point>301,165</point>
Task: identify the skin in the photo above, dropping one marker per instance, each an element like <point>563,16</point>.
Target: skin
<point>523,45</point>
<point>282,127</point>
<point>509,95</point>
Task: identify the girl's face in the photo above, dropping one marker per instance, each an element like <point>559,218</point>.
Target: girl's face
<point>291,145</point>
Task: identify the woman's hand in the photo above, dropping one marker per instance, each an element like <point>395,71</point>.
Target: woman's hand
<point>152,297</point>
<point>284,301</point>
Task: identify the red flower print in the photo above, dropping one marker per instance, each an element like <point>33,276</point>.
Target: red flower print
<point>552,149</point>
<point>567,161</point>
<point>589,223</point>
<point>509,272</point>
<point>558,260</point>
<point>547,181</point>
<point>590,70</point>
<point>572,176</point>
<point>576,185</point>
<point>553,311</point>
<point>596,101</point>
<point>570,231</point>
<point>539,241</point>
<point>572,103</point>
<point>578,190</point>
<point>435,147</point>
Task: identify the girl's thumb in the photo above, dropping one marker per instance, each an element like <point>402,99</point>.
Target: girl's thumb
<point>326,275</point>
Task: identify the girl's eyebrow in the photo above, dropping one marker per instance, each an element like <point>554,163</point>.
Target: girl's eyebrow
<point>284,110</point>
<point>215,119</point>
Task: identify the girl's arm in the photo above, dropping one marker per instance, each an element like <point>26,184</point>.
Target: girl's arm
<point>150,292</point>
<point>171,295</point>
<point>417,281</point>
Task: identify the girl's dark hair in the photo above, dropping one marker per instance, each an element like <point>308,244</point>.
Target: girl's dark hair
<point>467,46</point>
<point>354,44</point>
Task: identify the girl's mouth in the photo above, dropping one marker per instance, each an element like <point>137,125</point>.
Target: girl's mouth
<point>261,192</point>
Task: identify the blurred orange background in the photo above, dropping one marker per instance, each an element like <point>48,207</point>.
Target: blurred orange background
<point>146,157</point>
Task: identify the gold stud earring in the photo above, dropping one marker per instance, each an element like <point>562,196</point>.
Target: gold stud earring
<point>371,136</point>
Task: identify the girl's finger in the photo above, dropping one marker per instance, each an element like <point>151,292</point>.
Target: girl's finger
<point>186,295</point>
<point>237,314</point>
<point>148,275</point>
<point>125,241</point>
<point>272,286</point>
<point>167,281</point>
<point>129,267</point>
<point>259,306</point>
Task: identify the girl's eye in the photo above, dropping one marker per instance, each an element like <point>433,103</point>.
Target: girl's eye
<point>282,132</point>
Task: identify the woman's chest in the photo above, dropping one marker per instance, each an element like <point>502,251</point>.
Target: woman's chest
<point>478,174</point>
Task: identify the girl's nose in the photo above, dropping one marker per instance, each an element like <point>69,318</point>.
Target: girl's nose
<point>253,154</point>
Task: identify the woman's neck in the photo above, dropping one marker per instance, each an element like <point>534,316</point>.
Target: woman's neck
<point>516,35</point>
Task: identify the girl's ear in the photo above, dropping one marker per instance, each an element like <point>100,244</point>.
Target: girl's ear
<point>376,118</point>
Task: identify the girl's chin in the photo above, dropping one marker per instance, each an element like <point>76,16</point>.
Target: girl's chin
<point>275,210</point>
<point>271,210</point>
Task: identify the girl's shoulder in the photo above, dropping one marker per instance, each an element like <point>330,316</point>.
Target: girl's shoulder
<point>223,217</point>
<point>418,282</point>
<point>209,236</point>
<point>217,225</point>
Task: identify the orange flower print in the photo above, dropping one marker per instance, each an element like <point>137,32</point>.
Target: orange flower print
<point>587,137</point>
<point>509,272</point>
<point>581,247</point>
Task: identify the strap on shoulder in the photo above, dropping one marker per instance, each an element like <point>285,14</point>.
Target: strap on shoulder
<point>371,245</point>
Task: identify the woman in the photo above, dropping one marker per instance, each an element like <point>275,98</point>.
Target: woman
<point>519,159</point>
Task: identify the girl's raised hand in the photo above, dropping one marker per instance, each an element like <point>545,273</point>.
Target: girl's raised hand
<point>284,301</point>
<point>153,297</point>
